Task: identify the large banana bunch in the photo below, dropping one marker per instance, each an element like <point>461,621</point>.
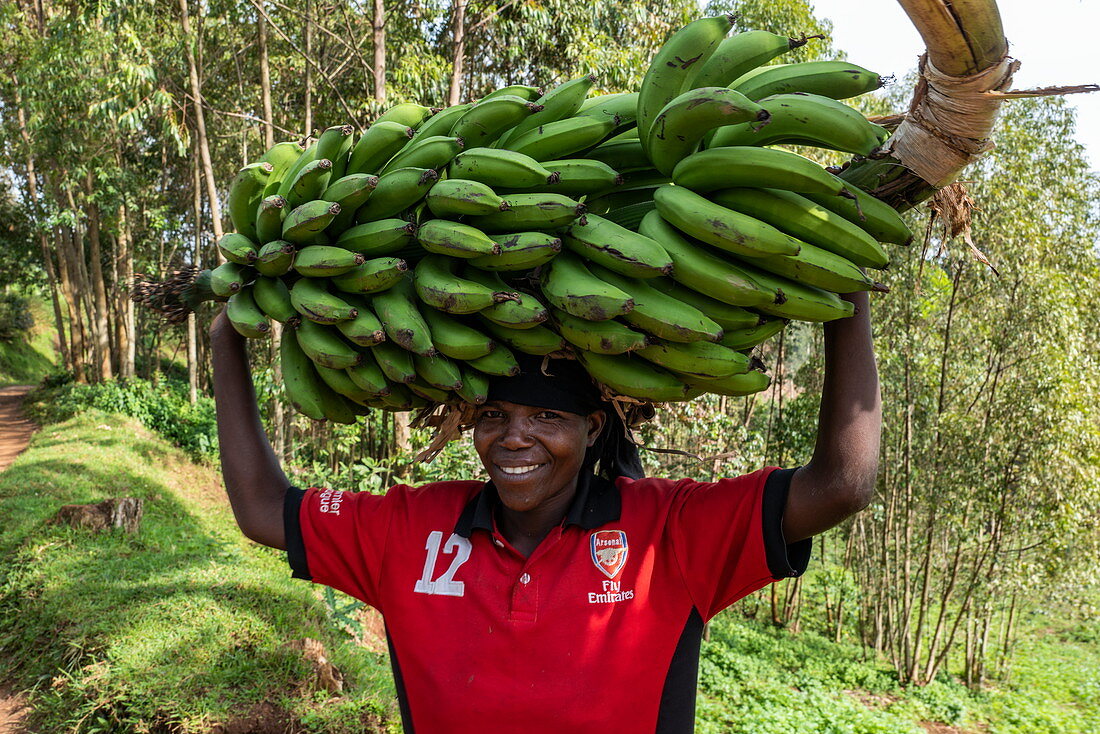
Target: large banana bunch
<point>656,236</point>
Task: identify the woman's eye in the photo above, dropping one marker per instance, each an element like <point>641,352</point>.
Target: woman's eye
<point>547,415</point>
<point>490,414</point>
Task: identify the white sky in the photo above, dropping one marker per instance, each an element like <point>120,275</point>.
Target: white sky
<point>1056,41</point>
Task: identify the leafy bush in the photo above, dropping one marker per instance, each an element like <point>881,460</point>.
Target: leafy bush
<point>15,315</point>
<point>161,406</point>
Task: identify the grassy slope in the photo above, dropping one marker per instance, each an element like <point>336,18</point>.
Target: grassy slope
<point>185,622</point>
<point>26,360</point>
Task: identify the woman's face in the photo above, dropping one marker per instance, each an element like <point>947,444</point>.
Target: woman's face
<point>532,454</point>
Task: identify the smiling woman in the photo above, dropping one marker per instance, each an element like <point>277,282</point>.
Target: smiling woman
<point>569,591</point>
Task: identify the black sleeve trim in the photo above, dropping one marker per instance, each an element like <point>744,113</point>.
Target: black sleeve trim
<point>783,560</point>
<point>292,527</point>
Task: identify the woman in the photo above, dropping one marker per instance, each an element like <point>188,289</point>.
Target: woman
<point>554,598</point>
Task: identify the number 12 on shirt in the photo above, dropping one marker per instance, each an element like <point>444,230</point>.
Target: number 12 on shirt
<point>445,585</point>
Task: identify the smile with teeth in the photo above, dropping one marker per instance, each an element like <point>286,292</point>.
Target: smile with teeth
<point>518,469</point>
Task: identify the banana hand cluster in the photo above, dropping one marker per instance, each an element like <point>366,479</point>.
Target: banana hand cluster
<point>655,235</point>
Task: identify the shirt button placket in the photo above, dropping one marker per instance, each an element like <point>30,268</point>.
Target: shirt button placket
<point>525,596</point>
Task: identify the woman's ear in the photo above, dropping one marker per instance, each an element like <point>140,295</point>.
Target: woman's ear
<point>596,421</point>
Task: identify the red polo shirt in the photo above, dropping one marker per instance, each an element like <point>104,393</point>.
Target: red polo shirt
<point>597,631</point>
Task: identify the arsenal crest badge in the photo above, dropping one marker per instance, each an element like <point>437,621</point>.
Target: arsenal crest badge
<point>609,551</point>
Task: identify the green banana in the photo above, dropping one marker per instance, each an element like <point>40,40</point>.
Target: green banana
<point>572,287</point>
<point>336,407</point>
<point>676,64</point>
<point>325,261</point>
<point>455,197</point>
<point>697,359</point>
<point>368,376</point>
<point>365,330</point>
<point>744,165</point>
<point>735,385</point>
<point>518,311</point>
<point>475,386</point>
<point>727,316</point>
<point>807,119</point>
<point>342,384</point>
<point>658,313</point>
<point>697,268</point>
<point>300,379</point>
<point>607,106</point>
<point>438,371</point>
<point>275,258</point>
<point>396,363</point>
<point>557,104</point>
<point>438,285</point>
<point>401,398</point>
<point>634,376</point>
<point>237,248</point>
<point>310,182</point>
<point>325,347</point>
<point>400,316</point>
<point>803,219</point>
<point>306,223</point>
<point>801,302</point>
<point>269,219</point>
<point>724,228</point>
<point>602,337</point>
<point>308,156</point>
<point>531,212</point>
<point>500,362</point>
<point>434,153</point>
<point>407,113</point>
<point>520,251</point>
<point>519,90</point>
<point>836,79</point>
<point>535,340</point>
<point>245,316</point>
<point>500,168</point>
<point>273,298</point>
<point>396,191</point>
<point>282,157</point>
<point>680,125</point>
<point>617,248</point>
<point>630,216</point>
<point>245,193</point>
<point>350,192</point>
<point>371,276</point>
<point>333,143</point>
<point>380,237</point>
<point>874,216</point>
<point>486,121</point>
<point>444,237</point>
<point>563,138</point>
<point>751,336</point>
<point>228,278</point>
<point>455,338</point>
<point>422,389</point>
<point>741,53</point>
<point>622,155</point>
<point>443,122</point>
<point>378,144</point>
<point>311,299</point>
<point>584,177</point>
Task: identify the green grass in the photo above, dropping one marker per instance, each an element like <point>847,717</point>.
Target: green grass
<point>179,625</point>
<point>756,679</point>
<point>27,358</point>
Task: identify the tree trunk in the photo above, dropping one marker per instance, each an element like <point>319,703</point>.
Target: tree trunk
<point>454,96</point>
<point>200,122</point>
<point>124,323</point>
<point>101,329</point>
<point>196,260</point>
<point>379,38</point>
<point>265,79</point>
<point>308,101</point>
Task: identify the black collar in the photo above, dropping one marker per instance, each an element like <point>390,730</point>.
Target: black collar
<point>597,502</point>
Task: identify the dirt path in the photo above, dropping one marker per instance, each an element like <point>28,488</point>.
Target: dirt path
<point>15,434</point>
<point>15,429</point>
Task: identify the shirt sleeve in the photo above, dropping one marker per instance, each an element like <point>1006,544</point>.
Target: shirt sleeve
<point>728,537</point>
<point>338,538</point>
